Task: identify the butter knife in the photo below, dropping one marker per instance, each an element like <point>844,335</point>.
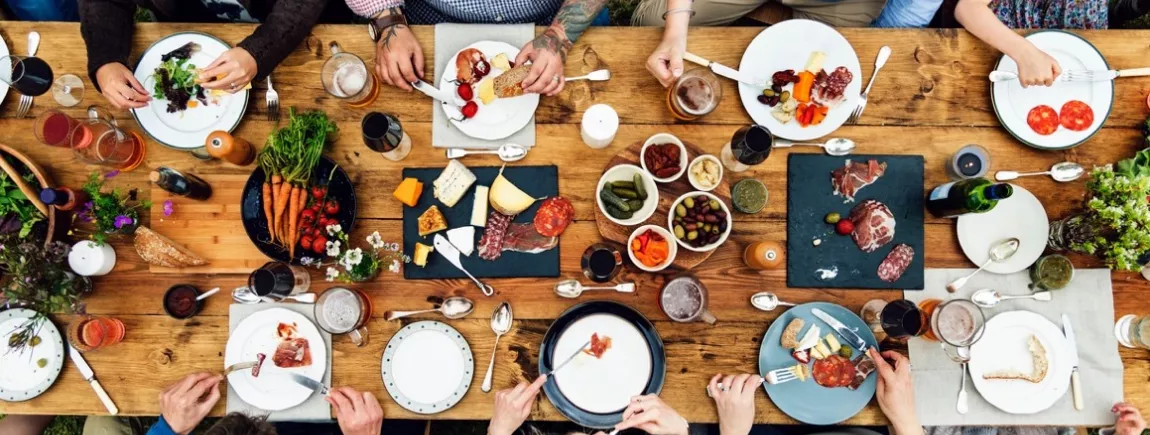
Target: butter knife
<point>90,376</point>
<point>308,383</point>
<point>570,358</point>
<point>850,337</point>
<point>451,253</point>
<point>1075,386</point>
<point>1078,75</point>
<point>723,70</point>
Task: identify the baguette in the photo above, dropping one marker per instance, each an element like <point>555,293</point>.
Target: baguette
<point>790,339</point>
<point>1041,365</point>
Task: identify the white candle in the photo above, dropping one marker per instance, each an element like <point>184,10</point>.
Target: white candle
<point>89,259</point>
<point>600,123</point>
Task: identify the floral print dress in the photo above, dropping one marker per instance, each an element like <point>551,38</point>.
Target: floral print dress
<point>1051,14</point>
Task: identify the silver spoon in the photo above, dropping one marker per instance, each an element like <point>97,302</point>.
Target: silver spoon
<point>501,324</point>
<point>767,301</point>
<point>1001,251</point>
<point>1060,172</point>
<point>572,288</point>
<point>455,307</point>
<point>988,298</point>
<point>508,152</point>
<point>964,358</point>
<point>595,76</point>
<point>207,294</point>
<point>835,147</point>
<point>245,295</point>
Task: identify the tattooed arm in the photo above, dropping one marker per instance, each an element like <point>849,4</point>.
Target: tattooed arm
<point>398,56</point>
<point>548,52</point>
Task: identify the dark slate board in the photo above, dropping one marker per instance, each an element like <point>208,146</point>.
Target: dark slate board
<point>810,197</point>
<point>537,181</point>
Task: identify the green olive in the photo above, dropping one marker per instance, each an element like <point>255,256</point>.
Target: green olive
<point>689,202</point>
<point>786,95</point>
<point>768,93</point>
<point>692,235</point>
<point>680,211</point>
<point>715,204</point>
<point>832,218</point>
<point>679,233</point>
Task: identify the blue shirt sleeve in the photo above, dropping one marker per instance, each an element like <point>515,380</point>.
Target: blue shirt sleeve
<point>907,13</point>
<point>161,428</point>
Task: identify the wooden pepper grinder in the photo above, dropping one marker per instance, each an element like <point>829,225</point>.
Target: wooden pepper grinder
<point>221,145</point>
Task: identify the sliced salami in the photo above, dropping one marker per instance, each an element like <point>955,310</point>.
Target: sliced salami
<point>1076,115</point>
<point>829,88</point>
<point>895,263</point>
<point>491,244</point>
<point>826,373</point>
<point>1043,120</point>
<point>554,215</point>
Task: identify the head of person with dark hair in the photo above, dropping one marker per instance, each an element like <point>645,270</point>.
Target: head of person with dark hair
<point>241,424</point>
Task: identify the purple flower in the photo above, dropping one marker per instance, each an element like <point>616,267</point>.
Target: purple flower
<point>112,174</point>
<point>122,220</point>
<point>168,208</point>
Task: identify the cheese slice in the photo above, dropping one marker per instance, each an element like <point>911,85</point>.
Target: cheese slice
<point>487,91</point>
<point>815,62</point>
<point>508,198</point>
<point>479,210</point>
<point>453,182</point>
<point>421,252</point>
<point>833,343</point>
<point>463,239</point>
<point>810,339</point>
<point>501,61</point>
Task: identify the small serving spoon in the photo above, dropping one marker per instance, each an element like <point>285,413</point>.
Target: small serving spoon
<point>595,76</point>
<point>572,289</point>
<point>455,307</point>
<point>835,147</point>
<point>501,320</point>
<point>1060,172</point>
<point>245,295</point>
<point>989,298</point>
<point>508,152</point>
<point>1001,251</point>
<point>767,301</point>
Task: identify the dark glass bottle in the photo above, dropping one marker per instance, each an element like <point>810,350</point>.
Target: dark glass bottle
<point>186,185</point>
<point>974,195</point>
<point>63,198</point>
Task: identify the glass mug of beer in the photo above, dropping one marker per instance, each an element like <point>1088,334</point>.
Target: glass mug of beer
<point>346,77</point>
<point>684,299</point>
<point>341,310</point>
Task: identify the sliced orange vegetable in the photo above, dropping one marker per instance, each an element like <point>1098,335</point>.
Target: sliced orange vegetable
<point>802,90</point>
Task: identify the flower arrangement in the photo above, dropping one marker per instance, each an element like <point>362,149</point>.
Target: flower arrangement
<point>112,211</point>
<point>1116,223</point>
<point>38,278</point>
<point>358,265</point>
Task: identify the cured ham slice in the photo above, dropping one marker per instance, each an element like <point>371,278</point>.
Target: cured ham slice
<point>524,238</point>
<point>874,225</point>
<point>853,176</point>
<point>292,353</point>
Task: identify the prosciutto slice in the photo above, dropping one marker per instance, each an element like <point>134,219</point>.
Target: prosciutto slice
<point>874,225</point>
<point>853,176</point>
<point>525,238</point>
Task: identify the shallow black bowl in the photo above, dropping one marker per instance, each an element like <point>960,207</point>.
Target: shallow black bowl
<point>251,208</point>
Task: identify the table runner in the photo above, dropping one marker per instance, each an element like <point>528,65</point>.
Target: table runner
<point>1089,302</point>
<point>315,408</point>
<point>449,39</point>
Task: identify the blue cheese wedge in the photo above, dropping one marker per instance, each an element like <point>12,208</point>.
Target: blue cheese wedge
<point>463,239</point>
<point>479,210</point>
<point>453,183</point>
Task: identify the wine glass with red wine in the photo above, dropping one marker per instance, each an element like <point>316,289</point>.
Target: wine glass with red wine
<point>32,76</point>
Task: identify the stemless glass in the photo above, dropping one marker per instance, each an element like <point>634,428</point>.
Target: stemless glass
<point>88,333</point>
<point>99,141</point>
<point>694,95</point>
<point>54,128</point>
<point>748,147</point>
<point>346,77</point>
<point>279,280</point>
<point>341,310</point>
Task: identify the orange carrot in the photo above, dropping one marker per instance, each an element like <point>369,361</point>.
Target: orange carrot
<point>267,202</point>
<point>280,208</point>
<point>273,223</point>
<point>293,219</point>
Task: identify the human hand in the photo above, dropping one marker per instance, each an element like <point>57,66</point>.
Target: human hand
<point>735,401</point>
<point>357,413</point>
<point>185,403</point>
<point>513,406</point>
<point>398,57</point>
<point>119,86</point>
<point>651,415</point>
<point>231,72</point>
<point>895,391</point>
<point>1035,67</point>
<point>548,56</point>
<point>1130,421</point>
<point>666,62</point>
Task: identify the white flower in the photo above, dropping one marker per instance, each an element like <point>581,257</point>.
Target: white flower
<point>394,268</point>
<point>333,248</point>
<point>375,240</point>
<point>333,229</point>
<point>353,257</point>
<point>306,261</point>
<point>332,274</point>
<point>393,246</point>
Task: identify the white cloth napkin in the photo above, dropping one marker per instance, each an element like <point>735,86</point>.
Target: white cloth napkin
<point>1090,304</point>
<point>449,39</point>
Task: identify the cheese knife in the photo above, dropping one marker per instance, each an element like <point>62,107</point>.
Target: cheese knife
<point>451,253</point>
<point>850,337</point>
<point>1075,386</point>
<point>90,376</point>
<point>308,383</point>
<point>723,70</point>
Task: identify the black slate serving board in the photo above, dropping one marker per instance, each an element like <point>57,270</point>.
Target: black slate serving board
<point>537,181</point>
<point>810,197</point>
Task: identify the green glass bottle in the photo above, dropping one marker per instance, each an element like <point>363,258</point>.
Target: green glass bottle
<point>972,195</point>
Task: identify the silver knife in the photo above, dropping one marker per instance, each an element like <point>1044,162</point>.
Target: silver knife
<point>1079,75</point>
<point>849,336</point>
<point>439,95</point>
<point>1075,386</point>
<point>90,376</point>
<point>308,383</point>
<point>570,358</point>
<point>451,253</point>
<point>723,70</point>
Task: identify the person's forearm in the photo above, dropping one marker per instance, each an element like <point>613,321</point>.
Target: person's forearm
<point>574,17</point>
<point>106,26</point>
<point>906,429</point>
<point>285,28</point>
<point>373,8</point>
<point>675,25</point>
<point>977,18</point>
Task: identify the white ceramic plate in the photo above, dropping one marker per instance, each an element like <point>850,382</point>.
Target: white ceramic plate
<point>504,116</point>
<point>1004,347</point>
<point>21,377</point>
<point>1012,103</point>
<point>1020,216</point>
<point>603,385</point>
<point>788,45</point>
<point>427,367</point>
<point>272,391</point>
<point>3,52</point>
<point>188,129</point>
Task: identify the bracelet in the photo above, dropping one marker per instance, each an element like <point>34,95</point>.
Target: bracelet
<point>675,11</point>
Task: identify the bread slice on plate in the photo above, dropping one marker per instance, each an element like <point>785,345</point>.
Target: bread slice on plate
<point>790,338</point>
<point>158,250</point>
<point>510,83</point>
<point>1041,365</point>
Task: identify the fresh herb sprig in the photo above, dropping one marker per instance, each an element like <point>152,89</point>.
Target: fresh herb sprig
<point>111,212</point>
<point>15,205</point>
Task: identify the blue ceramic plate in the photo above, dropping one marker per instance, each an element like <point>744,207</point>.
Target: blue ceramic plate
<point>807,401</point>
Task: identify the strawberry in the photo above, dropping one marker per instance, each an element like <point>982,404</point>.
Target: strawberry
<point>465,92</point>
<point>469,110</point>
<point>801,356</point>
<point>845,227</point>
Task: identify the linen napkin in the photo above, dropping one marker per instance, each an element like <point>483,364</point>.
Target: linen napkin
<point>449,39</point>
<point>315,408</point>
<point>1090,304</point>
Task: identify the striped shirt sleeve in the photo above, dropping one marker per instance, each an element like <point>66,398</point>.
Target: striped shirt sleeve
<point>369,8</point>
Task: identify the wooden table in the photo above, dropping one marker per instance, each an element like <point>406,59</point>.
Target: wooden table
<point>931,99</point>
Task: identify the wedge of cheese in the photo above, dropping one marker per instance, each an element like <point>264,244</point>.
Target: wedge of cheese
<point>453,183</point>
<point>421,252</point>
<point>463,239</point>
<point>479,209</point>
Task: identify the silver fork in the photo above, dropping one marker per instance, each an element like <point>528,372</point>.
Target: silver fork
<point>778,376</point>
<point>273,101</point>
<point>883,55</point>
<point>26,100</point>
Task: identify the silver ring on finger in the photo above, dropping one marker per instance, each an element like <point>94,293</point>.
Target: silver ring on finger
<point>232,86</point>
<point>555,79</point>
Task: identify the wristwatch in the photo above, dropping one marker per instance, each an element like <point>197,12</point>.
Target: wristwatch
<point>377,25</point>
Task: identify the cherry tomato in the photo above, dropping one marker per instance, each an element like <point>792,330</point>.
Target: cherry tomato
<point>319,245</point>
<point>331,208</point>
<point>318,192</point>
<point>307,215</point>
<point>306,241</point>
<point>845,227</point>
<point>316,207</point>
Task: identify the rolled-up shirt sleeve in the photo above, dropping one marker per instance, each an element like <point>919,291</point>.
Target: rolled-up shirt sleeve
<point>371,8</point>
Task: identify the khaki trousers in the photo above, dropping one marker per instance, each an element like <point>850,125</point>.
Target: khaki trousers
<point>844,13</point>
<point>106,425</point>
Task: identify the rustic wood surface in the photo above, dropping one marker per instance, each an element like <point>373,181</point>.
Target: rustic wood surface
<point>931,99</point>
<point>685,259</point>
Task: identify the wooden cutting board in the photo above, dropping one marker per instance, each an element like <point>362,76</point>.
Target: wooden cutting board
<point>668,193</point>
<point>212,229</point>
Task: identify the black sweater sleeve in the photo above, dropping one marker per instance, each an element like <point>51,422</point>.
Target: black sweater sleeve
<point>107,27</point>
<point>285,28</point>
